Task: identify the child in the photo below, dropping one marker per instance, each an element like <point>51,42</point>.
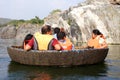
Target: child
<point>64,42</point>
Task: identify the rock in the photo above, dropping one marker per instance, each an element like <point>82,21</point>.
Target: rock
<point>104,17</point>
<point>116,2</point>
<point>52,19</point>
<point>18,33</point>
<point>25,29</point>
<point>80,20</point>
<point>8,32</point>
<point>56,20</point>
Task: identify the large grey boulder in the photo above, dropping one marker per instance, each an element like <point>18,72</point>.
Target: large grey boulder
<point>80,20</point>
<point>18,33</point>
<point>25,29</point>
<point>8,32</point>
<point>100,15</point>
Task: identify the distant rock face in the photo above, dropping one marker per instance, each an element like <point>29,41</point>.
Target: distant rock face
<point>4,21</point>
<point>18,33</point>
<point>80,20</point>
<point>8,32</point>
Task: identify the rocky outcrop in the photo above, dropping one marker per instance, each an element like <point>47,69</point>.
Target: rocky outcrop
<point>8,32</point>
<point>18,33</point>
<point>25,29</point>
<point>52,19</point>
<point>80,20</point>
<point>102,16</point>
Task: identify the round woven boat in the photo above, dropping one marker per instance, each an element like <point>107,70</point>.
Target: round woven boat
<point>57,58</point>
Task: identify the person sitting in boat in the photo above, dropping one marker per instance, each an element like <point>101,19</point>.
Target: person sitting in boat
<point>56,31</point>
<point>97,40</point>
<point>44,41</point>
<point>64,42</point>
<point>27,39</point>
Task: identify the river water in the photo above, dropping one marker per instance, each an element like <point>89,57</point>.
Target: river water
<point>108,70</point>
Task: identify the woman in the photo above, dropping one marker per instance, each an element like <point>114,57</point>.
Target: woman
<point>27,39</point>
<point>97,40</point>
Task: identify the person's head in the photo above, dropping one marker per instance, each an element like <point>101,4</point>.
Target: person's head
<point>95,33</point>
<point>61,36</point>
<point>46,29</point>
<point>28,37</point>
<point>62,29</point>
<point>56,30</point>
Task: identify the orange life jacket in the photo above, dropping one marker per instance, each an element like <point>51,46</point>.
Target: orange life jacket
<point>93,43</point>
<point>67,44</point>
<point>43,40</point>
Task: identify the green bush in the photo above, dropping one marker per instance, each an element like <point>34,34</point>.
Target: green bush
<point>36,20</point>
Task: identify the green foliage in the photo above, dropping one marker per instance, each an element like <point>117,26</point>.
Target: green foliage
<point>54,11</point>
<point>36,20</point>
<point>16,22</point>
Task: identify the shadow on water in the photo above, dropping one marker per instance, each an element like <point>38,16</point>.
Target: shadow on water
<point>23,72</point>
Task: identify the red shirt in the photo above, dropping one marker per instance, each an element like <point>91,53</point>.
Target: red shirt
<point>55,41</point>
<point>31,42</point>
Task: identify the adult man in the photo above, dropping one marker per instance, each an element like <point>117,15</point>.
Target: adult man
<point>45,41</point>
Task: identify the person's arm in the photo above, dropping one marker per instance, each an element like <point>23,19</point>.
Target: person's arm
<point>27,47</point>
<point>102,43</point>
<point>56,45</point>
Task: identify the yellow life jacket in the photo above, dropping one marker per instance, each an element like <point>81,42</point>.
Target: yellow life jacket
<point>67,45</point>
<point>43,40</point>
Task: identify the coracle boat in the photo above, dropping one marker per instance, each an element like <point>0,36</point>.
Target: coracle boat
<point>57,58</point>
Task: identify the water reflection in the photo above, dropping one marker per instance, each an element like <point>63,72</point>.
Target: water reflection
<point>33,72</point>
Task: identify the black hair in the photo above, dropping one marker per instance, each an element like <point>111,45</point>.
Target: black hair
<point>56,30</point>
<point>96,32</point>
<point>28,37</point>
<point>45,29</point>
<point>61,35</point>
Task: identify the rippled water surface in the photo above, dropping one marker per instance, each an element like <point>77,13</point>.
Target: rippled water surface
<point>108,70</point>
